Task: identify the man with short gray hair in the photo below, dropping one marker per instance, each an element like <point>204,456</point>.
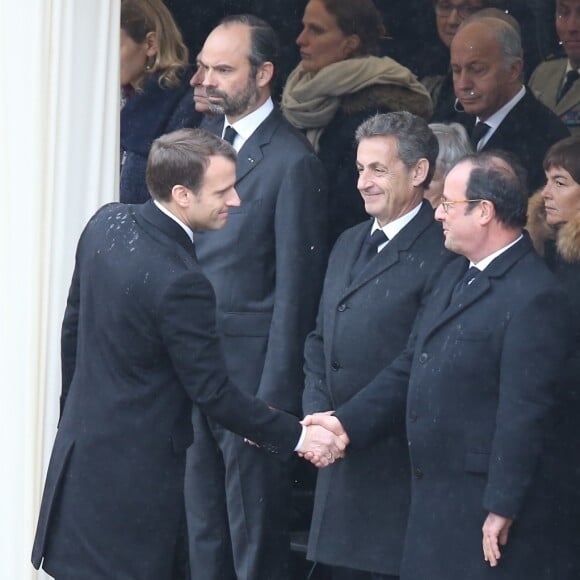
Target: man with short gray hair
<point>476,386</point>
<point>373,291</point>
<point>499,111</point>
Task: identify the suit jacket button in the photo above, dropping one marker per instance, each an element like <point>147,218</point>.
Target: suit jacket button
<point>418,473</point>
<point>334,365</point>
<point>423,358</point>
<point>412,416</point>
<point>341,307</point>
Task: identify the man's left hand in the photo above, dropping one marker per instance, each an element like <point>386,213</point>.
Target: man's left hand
<point>495,534</point>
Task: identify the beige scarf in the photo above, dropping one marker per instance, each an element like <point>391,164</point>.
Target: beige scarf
<point>310,100</point>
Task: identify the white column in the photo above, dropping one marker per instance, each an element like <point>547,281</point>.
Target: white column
<point>58,163</point>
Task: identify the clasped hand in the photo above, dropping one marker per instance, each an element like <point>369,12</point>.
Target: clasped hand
<point>325,439</point>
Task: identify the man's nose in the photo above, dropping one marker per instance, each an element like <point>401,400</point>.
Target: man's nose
<point>362,181</point>
<point>454,19</point>
<point>196,79</point>
<point>462,80</point>
<point>234,199</point>
<point>208,78</point>
<point>573,24</point>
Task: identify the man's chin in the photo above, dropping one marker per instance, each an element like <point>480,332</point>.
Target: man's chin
<point>215,109</point>
<point>471,107</point>
<point>221,221</point>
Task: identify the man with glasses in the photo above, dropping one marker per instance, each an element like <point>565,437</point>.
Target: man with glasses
<point>476,387</point>
<point>451,13</point>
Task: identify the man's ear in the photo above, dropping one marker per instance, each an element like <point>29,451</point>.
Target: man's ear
<point>487,211</point>
<point>420,172</point>
<point>265,74</point>
<point>180,195</point>
<point>517,70</point>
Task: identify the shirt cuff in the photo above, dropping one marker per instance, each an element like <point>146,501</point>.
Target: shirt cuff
<point>302,437</point>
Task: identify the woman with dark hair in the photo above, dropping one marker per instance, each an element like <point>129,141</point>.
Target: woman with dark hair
<point>337,85</point>
<point>155,94</point>
<point>554,226</point>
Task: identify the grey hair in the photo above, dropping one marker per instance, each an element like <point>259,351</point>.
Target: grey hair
<point>415,140</point>
<point>506,34</point>
<point>454,144</point>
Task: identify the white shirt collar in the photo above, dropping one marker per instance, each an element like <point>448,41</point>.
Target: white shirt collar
<point>569,67</point>
<point>483,264</point>
<point>246,126</point>
<point>394,227</point>
<point>497,118</point>
<point>163,209</point>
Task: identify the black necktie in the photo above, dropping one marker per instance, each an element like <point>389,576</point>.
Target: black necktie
<point>571,77</point>
<point>230,134</point>
<point>479,131</point>
<point>368,251</point>
<point>464,282</point>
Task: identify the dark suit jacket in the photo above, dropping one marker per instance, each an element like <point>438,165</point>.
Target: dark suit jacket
<point>138,344</point>
<point>149,113</point>
<point>267,264</point>
<point>528,131</point>
<point>480,386</point>
<point>361,505</point>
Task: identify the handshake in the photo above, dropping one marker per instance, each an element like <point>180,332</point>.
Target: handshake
<point>325,439</point>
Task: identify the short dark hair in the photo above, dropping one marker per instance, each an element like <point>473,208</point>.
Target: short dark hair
<point>359,17</point>
<point>181,158</point>
<point>498,177</point>
<point>565,154</point>
<point>415,140</point>
<point>264,45</point>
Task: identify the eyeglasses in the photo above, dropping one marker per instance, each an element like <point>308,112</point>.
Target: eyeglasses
<point>463,10</point>
<point>447,204</point>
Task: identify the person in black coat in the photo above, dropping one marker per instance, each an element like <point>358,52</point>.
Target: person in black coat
<point>439,80</point>
<point>364,321</point>
<point>156,97</point>
<point>267,267</point>
<point>554,226</point>
<point>139,344</point>
<point>486,60</point>
<point>476,387</point>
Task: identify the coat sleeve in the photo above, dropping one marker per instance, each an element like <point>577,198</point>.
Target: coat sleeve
<point>379,407</point>
<point>316,397</point>
<point>187,327</point>
<point>530,363</point>
<point>69,333</point>
<point>300,236</point>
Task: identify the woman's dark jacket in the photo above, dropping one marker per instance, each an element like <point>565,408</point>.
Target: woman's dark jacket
<point>149,113</point>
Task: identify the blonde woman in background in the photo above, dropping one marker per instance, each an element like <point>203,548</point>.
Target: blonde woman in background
<point>155,93</point>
